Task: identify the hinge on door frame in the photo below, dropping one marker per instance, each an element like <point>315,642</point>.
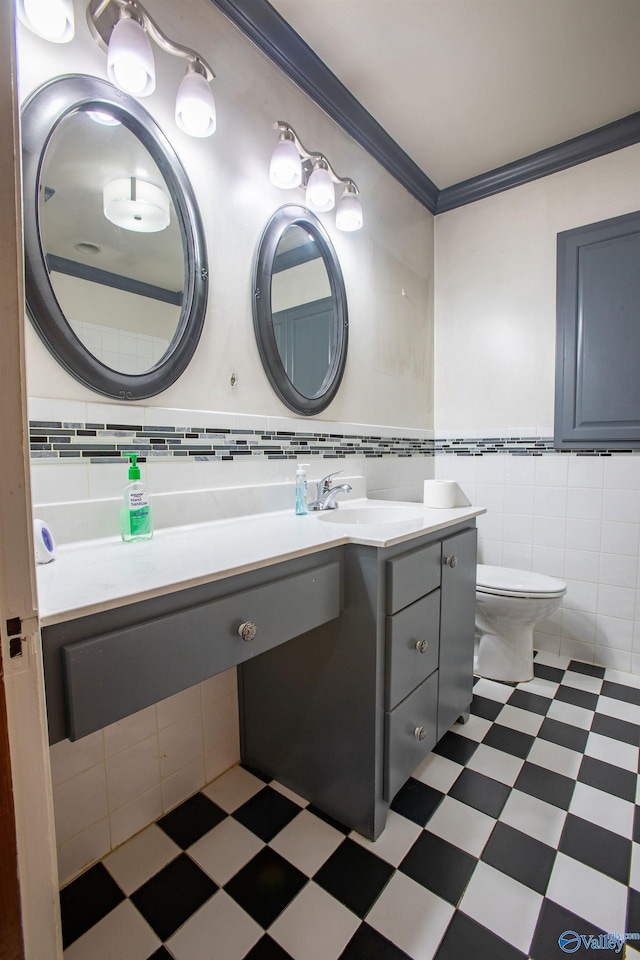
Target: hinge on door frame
<point>15,647</point>
<point>14,629</point>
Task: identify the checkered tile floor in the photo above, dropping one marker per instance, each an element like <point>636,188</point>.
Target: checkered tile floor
<point>522,824</point>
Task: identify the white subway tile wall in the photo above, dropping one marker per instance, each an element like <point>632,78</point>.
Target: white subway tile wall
<point>113,783</point>
<point>571,516</point>
<point>120,349</point>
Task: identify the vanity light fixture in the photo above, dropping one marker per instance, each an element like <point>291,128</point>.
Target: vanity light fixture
<point>135,204</point>
<point>50,19</point>
<point>292,165</point>
<point>125,29</point>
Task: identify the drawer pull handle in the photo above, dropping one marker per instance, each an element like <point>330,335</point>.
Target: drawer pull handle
<point>247,631</point>
<point>451,561</point>
<point>420,733</point>
<point>422,646</point>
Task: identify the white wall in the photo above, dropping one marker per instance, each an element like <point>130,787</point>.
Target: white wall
<point>109,785</point>
<point>575,517</point>
<point>496,288</point>
<point>388,377</point>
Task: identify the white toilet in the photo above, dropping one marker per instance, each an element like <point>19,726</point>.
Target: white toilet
<point>509,603</point>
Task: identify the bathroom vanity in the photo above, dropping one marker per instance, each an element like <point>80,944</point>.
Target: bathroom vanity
<point>353,641</point>
<point>345,714</point>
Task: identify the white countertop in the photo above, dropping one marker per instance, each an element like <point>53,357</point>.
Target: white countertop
<point>96,575</point>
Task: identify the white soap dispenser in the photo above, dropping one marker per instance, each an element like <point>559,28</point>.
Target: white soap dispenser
<point>301,490</point>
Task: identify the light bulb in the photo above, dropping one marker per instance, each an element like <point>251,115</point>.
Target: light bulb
<point>349,211</point>
<point>195,107</point>
<point>51,19</point>
<point>130,76</point>
<point>320,195</point>
<point>130,59</point>
<point>286,167</point>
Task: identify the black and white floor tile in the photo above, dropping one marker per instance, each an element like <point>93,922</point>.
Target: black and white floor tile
<point>522,825</point>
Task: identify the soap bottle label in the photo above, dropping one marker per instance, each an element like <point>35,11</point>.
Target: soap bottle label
<point>138,499</point>
<point>138,512</point>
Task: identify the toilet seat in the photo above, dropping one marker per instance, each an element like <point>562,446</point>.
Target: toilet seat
<point>507,582</point>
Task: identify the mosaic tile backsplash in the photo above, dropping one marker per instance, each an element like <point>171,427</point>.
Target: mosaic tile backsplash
<point>512,445</point>
<point>106,442</point>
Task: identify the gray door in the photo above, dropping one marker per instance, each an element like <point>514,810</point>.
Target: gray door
<point>598,333</point>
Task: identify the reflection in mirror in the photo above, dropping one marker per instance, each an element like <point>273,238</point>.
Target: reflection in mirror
<point>119,287</point>
<point>301,325</point>
<point>302,310</point>
<point>115,258</point>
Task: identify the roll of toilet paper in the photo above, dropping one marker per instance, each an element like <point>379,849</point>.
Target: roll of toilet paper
<point>444,494</point>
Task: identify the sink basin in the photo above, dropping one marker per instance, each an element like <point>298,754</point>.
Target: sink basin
<point>373,515</point>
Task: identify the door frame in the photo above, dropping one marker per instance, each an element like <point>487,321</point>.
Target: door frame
<point>28,871</point>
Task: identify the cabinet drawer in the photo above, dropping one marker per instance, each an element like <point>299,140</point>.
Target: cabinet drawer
<point>411,647</point>
<point>112,675</point>
<point>404,749</point>
<point>412,575</point>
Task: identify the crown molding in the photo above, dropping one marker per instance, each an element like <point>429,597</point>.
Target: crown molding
<point>588,146</point>
<point>273,35</point>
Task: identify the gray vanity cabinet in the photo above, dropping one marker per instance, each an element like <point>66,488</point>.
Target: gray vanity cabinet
<point>344,718</point>
<point>429,650</point>
<point>352,663</point>
<point>457,627</point>
<point>412,647</point>
<point>106,666</point>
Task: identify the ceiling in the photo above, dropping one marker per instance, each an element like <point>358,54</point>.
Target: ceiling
<point>465,86</point>
<point>82,156</point>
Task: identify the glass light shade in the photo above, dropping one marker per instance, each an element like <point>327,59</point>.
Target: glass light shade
<point>135,204</point>
<point>349,212</point>
<point>195,107</point>
<point>130,59</point>
<point>320,195</point>
<point>51,19</point>
<point>286,166</point>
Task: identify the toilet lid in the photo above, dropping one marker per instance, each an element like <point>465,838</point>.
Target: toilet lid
<point>517,583</point>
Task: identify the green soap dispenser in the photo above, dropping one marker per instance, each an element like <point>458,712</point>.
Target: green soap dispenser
<point>135,512</point>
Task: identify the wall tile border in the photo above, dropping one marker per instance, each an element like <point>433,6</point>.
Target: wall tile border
<point>93,442</point>
<point>523,446</point>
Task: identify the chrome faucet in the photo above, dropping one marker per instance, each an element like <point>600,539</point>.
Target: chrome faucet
<point>326,499</point>
<point>324,485</point>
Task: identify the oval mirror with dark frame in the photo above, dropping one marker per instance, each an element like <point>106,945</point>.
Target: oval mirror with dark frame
<point>115,258</point>
<point>300,310</point>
